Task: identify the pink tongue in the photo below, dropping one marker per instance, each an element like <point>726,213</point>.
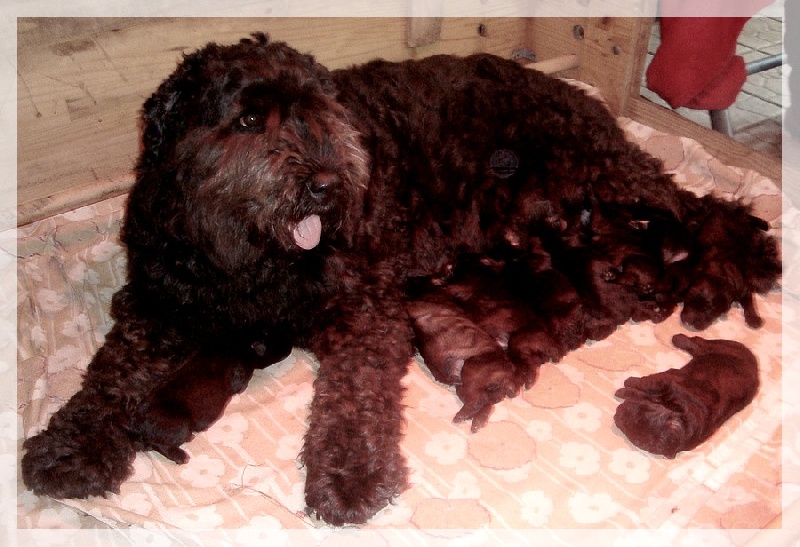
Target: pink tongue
<point>307,232</point>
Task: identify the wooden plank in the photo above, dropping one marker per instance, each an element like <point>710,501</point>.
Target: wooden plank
<point>465,35</point>
<point>551,37</point>
<point>556,65</point>
<point>639,59</point>
<point>725,149</point>
<point>81,84</point>
<point>423,31</point>
<point>608,49</point>
<point>607,60</point>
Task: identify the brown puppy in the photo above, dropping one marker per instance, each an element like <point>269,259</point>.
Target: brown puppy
<point>195,396</point>
<point>676,410</point>
<point>462,324</point>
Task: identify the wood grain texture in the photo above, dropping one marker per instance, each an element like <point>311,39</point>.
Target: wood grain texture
<point>609,51</point>
<point>725,149</point>
<point>81,84</point>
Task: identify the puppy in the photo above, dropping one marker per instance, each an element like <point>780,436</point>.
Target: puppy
<point>195,396</point>
<point>676,410</point>
<point>732,262</point>
<point>648,250</point>
<point>462,323</point>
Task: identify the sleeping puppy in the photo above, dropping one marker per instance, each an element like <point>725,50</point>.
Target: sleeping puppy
<point>478,329</point>
<point>733,261</point>
<point>605,304</point>
<point>557,316</point>
<point>648,251</point>
<point>643,277</point>
<point>460,353</point>
<point>712,294</point>
<point>676,410</point>
<point>196,395</point>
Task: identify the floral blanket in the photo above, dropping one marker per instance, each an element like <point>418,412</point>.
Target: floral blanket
<point>549,462</point>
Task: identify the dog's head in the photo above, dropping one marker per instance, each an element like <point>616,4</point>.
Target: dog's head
<point>705,300</point>
<point>246,152</point>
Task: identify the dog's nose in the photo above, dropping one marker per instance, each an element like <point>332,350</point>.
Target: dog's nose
<point>319,183</point>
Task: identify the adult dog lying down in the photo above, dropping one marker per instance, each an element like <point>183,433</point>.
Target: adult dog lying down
<point>277,200</point>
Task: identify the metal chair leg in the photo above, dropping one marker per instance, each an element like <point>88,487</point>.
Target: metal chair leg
<point>721,121</point>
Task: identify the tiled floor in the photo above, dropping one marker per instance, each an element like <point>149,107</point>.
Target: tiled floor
<point>756,114</point>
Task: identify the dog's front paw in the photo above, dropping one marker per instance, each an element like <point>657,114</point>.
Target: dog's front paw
<point>485,380</point>
<point>349,484</point>
<point>346,496</point>
<point>76,463</point>
<point>658,416</point>
<point>351,451</point>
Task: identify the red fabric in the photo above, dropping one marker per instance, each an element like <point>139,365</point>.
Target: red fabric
<point>712,8</point>
<point>696,65</point>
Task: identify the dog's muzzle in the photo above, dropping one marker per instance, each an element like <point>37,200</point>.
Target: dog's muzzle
<point>319,183</point>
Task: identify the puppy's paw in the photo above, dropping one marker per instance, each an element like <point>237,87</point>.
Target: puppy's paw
<point>658,416</point>
<point>174,453</point>
<point>77,463</point>
<point>485,380</point>
<point>476,412</point>
<point>528,350</point>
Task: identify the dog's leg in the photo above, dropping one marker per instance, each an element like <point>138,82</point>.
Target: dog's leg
<point>751,317</point>
<point>354,466</point>
<point>86,449</point>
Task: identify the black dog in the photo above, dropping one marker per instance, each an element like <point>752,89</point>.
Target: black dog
<point>275,196</point>
<point>676,410</point>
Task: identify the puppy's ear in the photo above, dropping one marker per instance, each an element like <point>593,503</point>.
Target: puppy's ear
<point>759,223</point>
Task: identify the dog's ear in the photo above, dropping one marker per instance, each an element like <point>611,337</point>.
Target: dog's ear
<point>156,120</point>
<point>162,117</point>
<point>170,109</point>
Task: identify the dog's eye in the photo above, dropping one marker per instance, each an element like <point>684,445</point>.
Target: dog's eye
<point>251,121</point>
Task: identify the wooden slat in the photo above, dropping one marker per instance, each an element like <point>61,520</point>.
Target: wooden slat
<point>550,37</point>
<point>609,51</point>
<point>725,149</point>
<point>556,65</point>
<point>424,31</point>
